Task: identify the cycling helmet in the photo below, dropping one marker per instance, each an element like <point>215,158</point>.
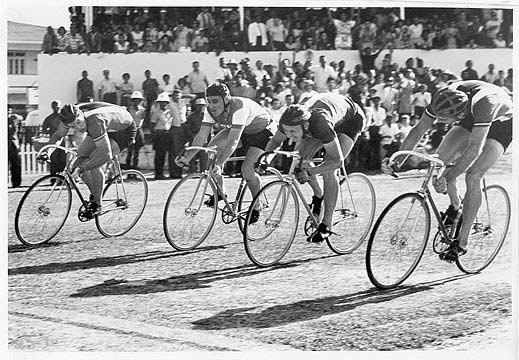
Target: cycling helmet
<point>448,103</point>
<point>294,115</point>
<point>219,89</point>
<point>69,113</point>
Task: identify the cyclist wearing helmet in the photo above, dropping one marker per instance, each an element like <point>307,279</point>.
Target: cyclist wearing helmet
<point>325,120</point>
<point>242,119</point>
<point>110,129</point>
<point>482,117</point>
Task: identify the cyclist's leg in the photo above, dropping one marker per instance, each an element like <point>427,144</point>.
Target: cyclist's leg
<point>307,148</point>
<point>491,152</point>
<point>253,145</point>
<point>83,154</point>
<point>450,148</point>
<point>219,140</point>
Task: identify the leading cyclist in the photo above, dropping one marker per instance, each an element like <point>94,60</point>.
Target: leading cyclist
<point>243,120</point>
<point>482,117</point>
<point>110,129</point>
<point>324,120</point>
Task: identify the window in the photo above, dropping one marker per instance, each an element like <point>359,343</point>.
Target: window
<point>16,62</point>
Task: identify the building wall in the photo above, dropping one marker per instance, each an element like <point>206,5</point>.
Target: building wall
<point>58,74</point>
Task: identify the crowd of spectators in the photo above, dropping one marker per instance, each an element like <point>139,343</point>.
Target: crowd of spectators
<point>156,29</point>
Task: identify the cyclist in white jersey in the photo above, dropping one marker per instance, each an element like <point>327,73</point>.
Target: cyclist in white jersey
<point>243,121</point>
<point>110,129</point>
<point>482,116</point>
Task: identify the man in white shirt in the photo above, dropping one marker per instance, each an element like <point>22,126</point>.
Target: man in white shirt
<point>257,32</point>
<point>375,114</point>
<point>259,73</point>
<point>421,100</point>
<point>178,111</point>
<point>322,72</point>
<point>167,86</point>
<point>223,74</point>
<point>197,80</point>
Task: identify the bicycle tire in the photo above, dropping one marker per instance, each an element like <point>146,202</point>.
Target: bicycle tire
<point>43,191</point>
<point>353,215</point>
<point>266,241</point>
<point>119,214</point>
<point>177,211</point>
<point>474,261</point>
<point>382,244</point>
<point>242,214</point>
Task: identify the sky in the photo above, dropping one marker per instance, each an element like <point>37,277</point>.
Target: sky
<point>44,13</point>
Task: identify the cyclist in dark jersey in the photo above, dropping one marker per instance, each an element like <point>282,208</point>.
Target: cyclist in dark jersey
<point>328,121</point>
<point>482,116</point>
<point>110,129</point>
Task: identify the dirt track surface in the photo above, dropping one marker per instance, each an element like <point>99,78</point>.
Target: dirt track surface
<point>136,293</point>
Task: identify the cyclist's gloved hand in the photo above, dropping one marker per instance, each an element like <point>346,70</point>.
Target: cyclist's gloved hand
<point>301,175</point>
<point>181,161</point>
<point>43,158</point>
<point>440,185</point>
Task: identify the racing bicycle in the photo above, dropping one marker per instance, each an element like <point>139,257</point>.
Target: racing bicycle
<point>45,206</point>
<point>400,235</point>
<point>268,238</point>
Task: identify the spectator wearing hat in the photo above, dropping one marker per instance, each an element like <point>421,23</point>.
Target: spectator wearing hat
<point>13,148</point>
<point>138,112</point>
<point>84,88</point>
<point>58,158</point>
<point>223,74</point>
<point>161,120</point>
<point>197,80</point>
<point>107,89</point>
<point>190,128</point>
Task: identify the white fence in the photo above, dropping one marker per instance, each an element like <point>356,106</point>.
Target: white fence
<point>29,164</point>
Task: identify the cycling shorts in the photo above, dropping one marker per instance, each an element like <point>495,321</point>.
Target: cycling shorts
<point>501,131</point>
<point>258,140</point>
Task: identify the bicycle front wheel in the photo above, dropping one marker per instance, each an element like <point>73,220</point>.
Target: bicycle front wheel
<point>268,237</point>
<point>124,201</point>
<point>488,231</point>
<point>353,214</point>
<point>43,210</point>
<point>187,220</point>
<point>398,241</point>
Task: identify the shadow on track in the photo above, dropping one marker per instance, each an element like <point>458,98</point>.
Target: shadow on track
<point>310,309</point>
<point>101,262</point>
<point>181,282</point>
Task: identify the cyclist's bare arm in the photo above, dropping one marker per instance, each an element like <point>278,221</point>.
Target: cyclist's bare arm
<point>470,154</point>
<point>332,161</point>
<point>199,140</point>
<point>417,132</point>
<point>100,156</point>
<point>230,146</point>
<point>59,134</point>
<point>276,141</point>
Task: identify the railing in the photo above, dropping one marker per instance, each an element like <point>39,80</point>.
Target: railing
<point>29,164</point>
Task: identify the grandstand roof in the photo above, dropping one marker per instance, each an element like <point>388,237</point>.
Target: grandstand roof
<point>25,33</point>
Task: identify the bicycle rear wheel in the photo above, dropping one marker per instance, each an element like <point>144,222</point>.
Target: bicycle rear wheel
<point>268,238</point>
<point>398,241</point>
<point>187,221</point>
<point>43,210</point>
<point>353,214</point>
<point>123,203</point>
<point>245,197</point>
<point>488,231</point>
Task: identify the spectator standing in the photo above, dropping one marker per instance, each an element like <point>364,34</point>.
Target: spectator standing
<point>205,19</point>
<point>257,34</point>
<point>167,86</point>
<point>200,42</point>
<point>13,148</point>
<point>322,72</point>
<point>404,127</point>
<point>277,35</point>
<point>415,32</point>
<point>421,100</point>
<point>343,26</point>
<point>75,43</point>
<point>368,57</point>
<point>223,74</point>
<point>178,110</point>
<point>61,38</point>
<point>375,114</point>
<point>107,89</point>
<point>388,132</point>
<point>406,88</point>
<point>490,76</point>
<point>93,40</point>
<point>509,80</point>
<point>500,80</point>
<point>161,119</point>
<point>138,112</point>
<point>137,36</point>
<point>308,90</point>
<point>469,73</point>
<point>499,41</point>
<point>150,91</point>
<point>107,41</point>
<point>50,42</point>
<point>493,25</point>
<point>451,35</point>
<point>197,80</point>
<point>182,41</point>
<point>121,45</point>
<point>126,89</point>
<point>58,158</point>
<point>389,96</point>
<point>164,44</point>
<point>190,128</point>
<point>259,73</point>
<point>84,88</point>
